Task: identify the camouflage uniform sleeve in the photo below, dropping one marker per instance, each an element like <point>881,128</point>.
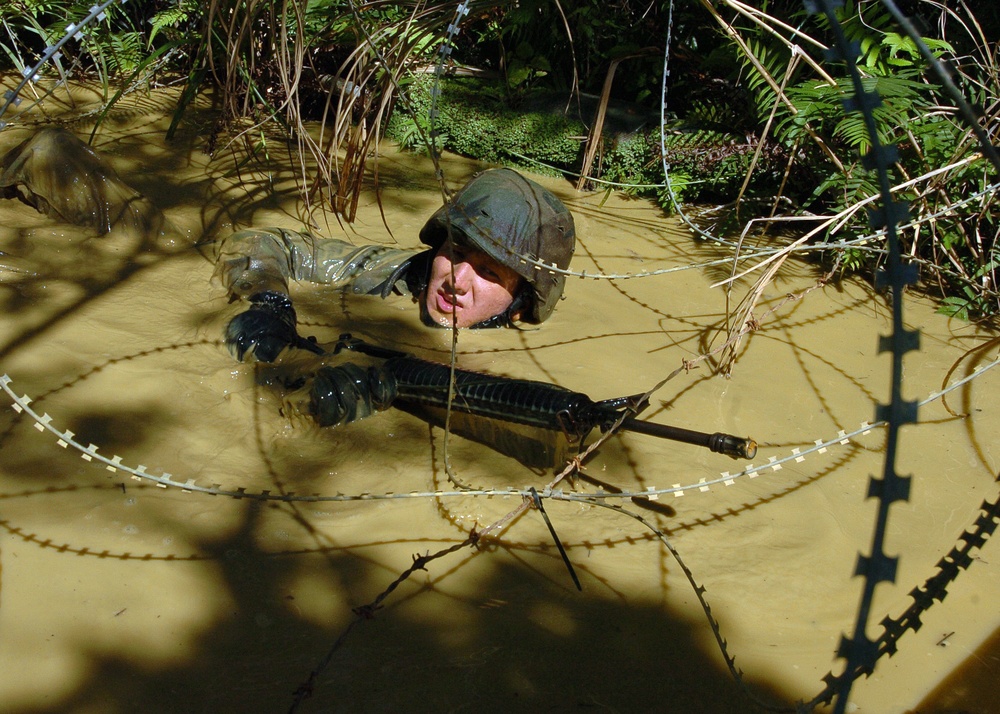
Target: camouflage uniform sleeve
<point>259,260</point>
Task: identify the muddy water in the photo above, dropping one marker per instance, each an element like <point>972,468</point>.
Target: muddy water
<point>119,596</point>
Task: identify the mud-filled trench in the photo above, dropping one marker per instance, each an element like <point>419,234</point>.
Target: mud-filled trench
<point>123,591</point>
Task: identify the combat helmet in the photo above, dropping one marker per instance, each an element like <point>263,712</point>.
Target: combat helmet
<point>517,223</point>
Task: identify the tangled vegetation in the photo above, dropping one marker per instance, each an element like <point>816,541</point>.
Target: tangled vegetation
<point>753,112</point>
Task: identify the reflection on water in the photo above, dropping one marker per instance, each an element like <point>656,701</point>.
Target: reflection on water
<point>117,595</point>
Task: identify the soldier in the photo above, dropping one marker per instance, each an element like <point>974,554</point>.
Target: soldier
<point>504,231</point>
<point>495,255</point>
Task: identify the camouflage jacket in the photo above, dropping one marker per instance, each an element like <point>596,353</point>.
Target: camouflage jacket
<point>264,259</point>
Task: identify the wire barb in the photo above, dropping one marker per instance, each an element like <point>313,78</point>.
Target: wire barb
<point>537,501</point>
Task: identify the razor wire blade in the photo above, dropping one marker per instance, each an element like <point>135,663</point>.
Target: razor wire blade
<point>115,463</point>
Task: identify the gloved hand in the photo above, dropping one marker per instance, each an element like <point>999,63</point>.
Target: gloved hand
<point>348,393</point>
<point>268,327</point>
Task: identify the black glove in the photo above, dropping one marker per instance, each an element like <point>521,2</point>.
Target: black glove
<point>267,328</point>
<point>348,393</point>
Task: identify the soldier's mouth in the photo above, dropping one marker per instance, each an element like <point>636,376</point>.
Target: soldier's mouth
<point>447,302</point>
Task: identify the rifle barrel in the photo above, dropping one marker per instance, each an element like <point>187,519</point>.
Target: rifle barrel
<point>734,446</point>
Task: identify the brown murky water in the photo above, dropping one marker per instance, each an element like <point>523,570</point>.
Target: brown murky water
<point>120,596</point>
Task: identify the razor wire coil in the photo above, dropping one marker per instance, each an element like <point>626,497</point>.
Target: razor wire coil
<point>43,422</point>
<point>74,31</point>
<point>446,48</point>
<point>859,652</point>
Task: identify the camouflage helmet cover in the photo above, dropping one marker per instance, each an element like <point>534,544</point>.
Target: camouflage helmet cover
<point>516,222</point>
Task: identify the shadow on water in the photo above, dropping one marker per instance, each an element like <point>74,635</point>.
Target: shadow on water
<point>526,642</point>
<point>562,651</point>
<point>498,629</point>
<point>971,688</point>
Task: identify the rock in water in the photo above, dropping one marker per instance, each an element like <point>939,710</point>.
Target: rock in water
<point>58,174</point>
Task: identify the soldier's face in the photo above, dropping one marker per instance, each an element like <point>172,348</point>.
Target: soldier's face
<point>467,286</point>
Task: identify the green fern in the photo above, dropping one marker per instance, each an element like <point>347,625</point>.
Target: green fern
<point>476,123</point>
<point>774,58</point>
<point>168,20</point>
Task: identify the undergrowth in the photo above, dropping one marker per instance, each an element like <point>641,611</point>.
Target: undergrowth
<point>473,120</point>
<point>755,118</point>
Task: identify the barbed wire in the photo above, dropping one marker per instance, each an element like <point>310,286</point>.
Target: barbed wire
<point>445,52</point>
<point>66,439</point>
<point>74,31</point>
<point>860,652</point>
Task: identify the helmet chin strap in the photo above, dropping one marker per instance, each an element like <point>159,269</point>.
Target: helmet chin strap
<point>502,320</point>
<point>513,312</point>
